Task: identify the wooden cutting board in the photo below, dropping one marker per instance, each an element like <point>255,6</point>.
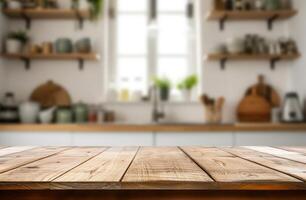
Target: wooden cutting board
<point>266,91</point>
<point>254,108</point>
<point>51,94</point>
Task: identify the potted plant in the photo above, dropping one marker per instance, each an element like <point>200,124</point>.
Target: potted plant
<point>187,85</point>
<point>15,41</point>
<point>164,85</point>
<point>94,6</point>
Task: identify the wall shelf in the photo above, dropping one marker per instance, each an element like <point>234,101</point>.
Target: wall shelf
<point>80,57</point>
<point>269,16</point>
<point>223,58</point>
<point>30,14</point>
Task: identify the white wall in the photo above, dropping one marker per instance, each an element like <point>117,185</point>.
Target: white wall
<point>2,75</point>
<point>87,85</point>
<point>298,28</point>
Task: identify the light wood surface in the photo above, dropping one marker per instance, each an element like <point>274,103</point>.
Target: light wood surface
<point>164,164</point>
<point>233,169</point>
<point>109,166</point>
<point>250,15</point>
<point>296,149</point>
<point>197,128</point>
<point>11,150</point>
<point>48,169</point>
<point>153,168</point>
<point>46,13</point>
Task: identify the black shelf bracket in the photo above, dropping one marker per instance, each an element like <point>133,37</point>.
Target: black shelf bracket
<point>222,22</point>
<point>28,21</point>
<point>81,64</point>
<point>223,62</point>
<point>271,20</point>
<point>273,62</point>
<point>80,20</point>
<point>27,63</point>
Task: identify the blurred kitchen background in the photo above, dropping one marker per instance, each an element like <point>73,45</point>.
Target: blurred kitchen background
<point>152,72</point>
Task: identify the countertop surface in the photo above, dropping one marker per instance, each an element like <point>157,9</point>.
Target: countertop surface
<point>153,168</point>
<point>152,127</point>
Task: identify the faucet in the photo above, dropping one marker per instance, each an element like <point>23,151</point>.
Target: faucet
<point>156,113</point>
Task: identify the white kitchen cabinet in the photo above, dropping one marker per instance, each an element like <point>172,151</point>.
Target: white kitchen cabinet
<point>112,139</point>
<point>188,139</point>
<point>35,138</point>
<point>270,139</point>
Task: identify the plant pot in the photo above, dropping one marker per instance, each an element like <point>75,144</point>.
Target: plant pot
<point>13,46</point>
<point>164,94</point>
<point>186,95</point>
<point>11,4</point>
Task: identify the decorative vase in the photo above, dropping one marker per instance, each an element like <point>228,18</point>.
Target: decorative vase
<point>13,46</point>
<point>28,112</point>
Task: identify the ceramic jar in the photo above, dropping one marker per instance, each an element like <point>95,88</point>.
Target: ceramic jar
<point>63,115</point>
<point>272,5</point>
<point>13,4</point>
<point>28,112</point>
<point>63,45</point>
<point>83,45</point>
<point>80,112</point>
<point>235,45</point>
<point>46,116</point>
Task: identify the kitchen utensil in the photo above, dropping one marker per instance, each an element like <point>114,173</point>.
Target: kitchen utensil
<point>63,45</point>
<point>9,109</point>
<point>80,112</point>
<point>264,90</point>
<point>83,45</point>
<point>292,111</point>
<point>51,94</point>
<point>254,108</point>
<point>28,112</point>
<point>63,115</point>
<point>46,116</point>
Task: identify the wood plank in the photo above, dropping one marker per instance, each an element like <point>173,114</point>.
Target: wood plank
<point>214,57</point>
<point>235,169</point>
<point>15,160</point>
<point>109,166</point>
<point>50,168</point>
<point>295,169</point>
<point>11,150</point>
<point>295,156</point>
<point>164,164</point>
<point>295,149</point>
<point>250,15</point>
<point>54,56</point>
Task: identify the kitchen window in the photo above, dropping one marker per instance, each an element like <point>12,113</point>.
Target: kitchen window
<point>147,39</point>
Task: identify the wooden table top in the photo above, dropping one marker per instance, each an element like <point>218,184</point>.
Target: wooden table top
<point>153,168</point>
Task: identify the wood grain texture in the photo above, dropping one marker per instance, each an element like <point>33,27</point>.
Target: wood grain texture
<point>11,150</point>
<point>295,149</point>
<point>295,169</point>
<point>109,166</point>
<point>168,164</point>
<point>15,160</point>
<point>48,169</point>
<point>234,169</point>
<point>290,155</point>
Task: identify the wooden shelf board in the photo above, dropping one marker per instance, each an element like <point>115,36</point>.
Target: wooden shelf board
<point>170,128</point>
<point>216,57</point>
<point>250,15</point>
<point>46,13</point>
<point>70,56</point>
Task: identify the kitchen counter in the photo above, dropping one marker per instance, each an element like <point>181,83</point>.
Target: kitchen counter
<point>184,127</point>
<point>49,173</point>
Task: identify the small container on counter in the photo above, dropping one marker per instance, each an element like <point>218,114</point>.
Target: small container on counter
<point>9,109</point>
<point>64,115</point>
<point>80,111</point>
<point>93,114</point>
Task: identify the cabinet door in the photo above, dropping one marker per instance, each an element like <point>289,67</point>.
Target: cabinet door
<point>270,139</point>
<point>188,139</point>
<point>35,138</point>
<point>112,139</point>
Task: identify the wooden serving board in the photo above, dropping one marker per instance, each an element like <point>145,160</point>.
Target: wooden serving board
<point>154,173</point>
